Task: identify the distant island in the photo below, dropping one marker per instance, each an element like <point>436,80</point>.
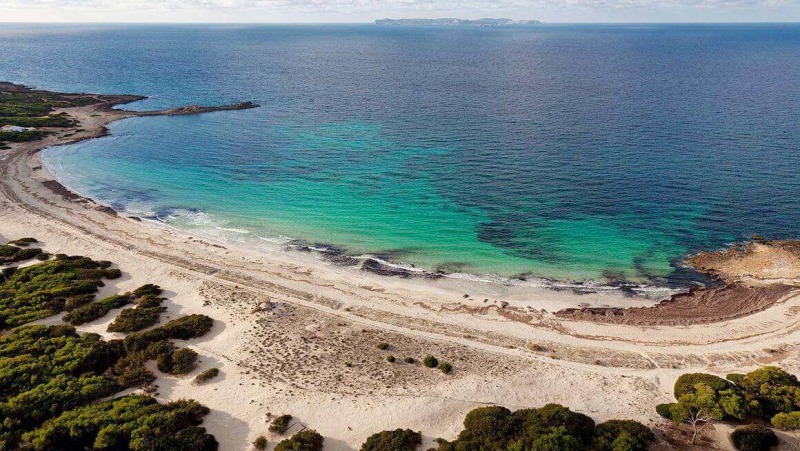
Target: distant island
<point>486,22</point>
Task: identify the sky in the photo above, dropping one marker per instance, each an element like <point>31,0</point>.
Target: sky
<point>350,11</point>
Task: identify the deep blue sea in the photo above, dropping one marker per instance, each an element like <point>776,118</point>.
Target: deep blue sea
<point>571,152</point>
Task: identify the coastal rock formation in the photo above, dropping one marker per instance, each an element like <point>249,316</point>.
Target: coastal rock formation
<point>450,21</point>
<point>752,277</point>
<point>198,109</point>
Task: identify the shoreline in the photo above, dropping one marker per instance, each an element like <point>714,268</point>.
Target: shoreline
<point>383,264</point>
<point>510,350</point>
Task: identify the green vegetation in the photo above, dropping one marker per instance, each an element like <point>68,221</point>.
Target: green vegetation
<point>767,394</point>
<point>445,367</point>
<point>46,289</point>
<point>147,290</point>
<point>383,346</point>
<point>308,440</point>
<point>131,422</point>
<point>96,310</point>
<point>390,358</point>
<point>20,137</point>
<point>396,440</point>
<point>409,360</point>
<point>12,253</point>
<point>55,120</point>
<point>431,361</point>
<point>181,361</point>
<point>147,313</point>
<point>52,378</point>
<point>547,428</point>
<point>206,375</point>
<point>29,108</point>
<point>281,424</point>
<point>754,437</point>
<point>183,328</point>
<point>260,443</point>
<point>24,242</point>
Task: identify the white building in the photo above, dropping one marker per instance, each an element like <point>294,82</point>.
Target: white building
<point>16,128</point>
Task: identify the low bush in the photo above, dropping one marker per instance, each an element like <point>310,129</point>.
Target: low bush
<point>308,440</point>
<point>390,358</point>
<point>184,361</point>
<point>147,290</point>
<point>686,383</point>
<point>383,346</point>
<point>183,328</point>
<point>396,440</point>
<point>629,435</point>
<point>445,367</point>
<point>409,360</point>
<point>260,443</point>
<point>551,427</point>
<point>206,375</point>
<point>281,424</point>
<point>173,361</point>
<point>753,437</point>
<point>96,310</point>
<point>129,422</point>
<point>431,361</point>
<point>664,410</point>
<point>24,242</point>
<point>13,254</point>
<point>188,327</point>
<point>147,313</point>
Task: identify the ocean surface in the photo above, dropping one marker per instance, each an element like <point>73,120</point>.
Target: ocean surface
<point>571,152</point>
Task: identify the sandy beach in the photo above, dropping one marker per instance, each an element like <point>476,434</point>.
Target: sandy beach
<point>297,334</point>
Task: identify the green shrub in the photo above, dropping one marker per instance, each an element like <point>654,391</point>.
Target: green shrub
<point>629,435</point>
<point>170,360</point>
<point>773,389</point>
<point>24,242</point>
<point>184,361</point>
<point>44,289</point>
<point>128,422</point>
<point>396,440</point>
<point>260,443</point>
<point>487,427</point>
<point>383,346</point>
<point>445,367</point>
<point>183,328</point>
<point>130,371</point>
<point>549,428</point>
<point>736,378</point>
<point>431,361</point>
<point>409,360</point>
<point>664,410</point>
<point>147,290</point>
<point>96,310</point>
<point>42,256</point>
<point>206,375</point>
<point>390,358</point>
<point>533,423</point>
<point>188,327</point>
<point>281,424</point>
<point>753,437</point>
<point>147,313</point>
<point>686,383</point>
<point>307,440</point>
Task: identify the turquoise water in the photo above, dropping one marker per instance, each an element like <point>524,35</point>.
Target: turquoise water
<point>566,152</point>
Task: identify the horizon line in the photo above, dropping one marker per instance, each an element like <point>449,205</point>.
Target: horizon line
<point>372,22</point>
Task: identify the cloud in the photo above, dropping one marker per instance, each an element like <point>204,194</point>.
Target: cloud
<point>377,5</point>
<point>357,10</point>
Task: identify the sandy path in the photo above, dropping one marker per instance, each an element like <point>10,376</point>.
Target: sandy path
<point>292,359</point>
